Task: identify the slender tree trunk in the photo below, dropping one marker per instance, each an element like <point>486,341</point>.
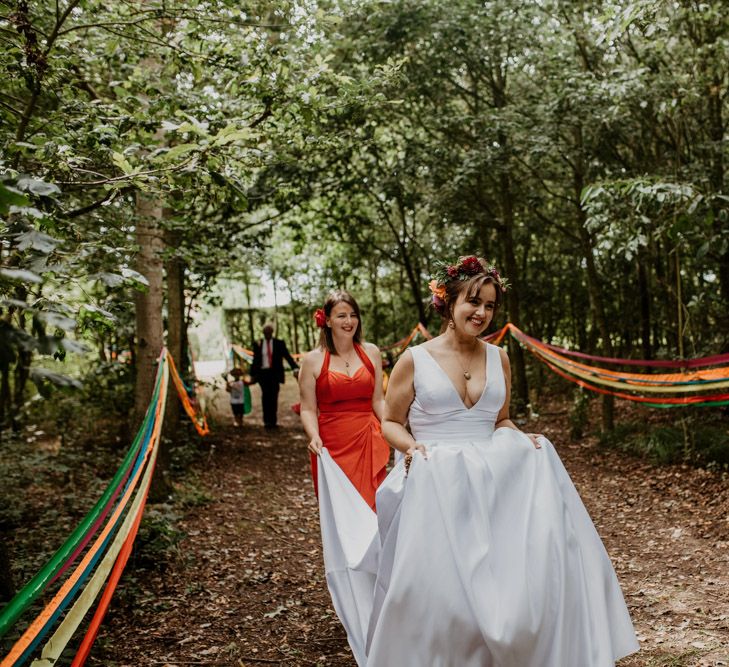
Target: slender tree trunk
<point>175,271</point>
<point>408,264</point>
<point>513,301</point>
<point>376,331</point>
<point>645,307</point>
<point>717,131</point>
<point>294,323</point>
<point>501,101</point>
<point>598,308</point>
<point>22,369</point>
<point>149,324</point>
<point>4,393</point>
<point>593,279</point>
<point>148,303</point>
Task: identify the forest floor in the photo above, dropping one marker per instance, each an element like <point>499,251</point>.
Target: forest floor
<point>240,581</point>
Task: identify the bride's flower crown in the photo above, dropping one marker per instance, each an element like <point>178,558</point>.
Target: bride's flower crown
<point>465,268</point>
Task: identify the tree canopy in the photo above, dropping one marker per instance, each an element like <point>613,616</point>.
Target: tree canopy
<point>149,148</point>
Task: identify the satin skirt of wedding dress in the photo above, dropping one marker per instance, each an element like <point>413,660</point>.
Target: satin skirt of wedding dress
<point>483,556</point>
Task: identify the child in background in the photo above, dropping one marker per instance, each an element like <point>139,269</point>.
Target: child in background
<point>236,389</point>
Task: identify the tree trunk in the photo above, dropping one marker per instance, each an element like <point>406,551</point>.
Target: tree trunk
<point>147,303</point>
<point>645,307</point>
<point>175,271</point>
<point>4,393</point>
<point>598,309</point>
<point>409,265</point>
<point>593,280</point>
<point>294,322</point>
<point>716,176</point>
<point>149,325</point>
<point>513,302</point>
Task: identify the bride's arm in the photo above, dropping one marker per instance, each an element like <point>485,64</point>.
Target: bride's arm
<point>400,394</point>
<point>503,421</point>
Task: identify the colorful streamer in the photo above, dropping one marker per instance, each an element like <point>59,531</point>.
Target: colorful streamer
<point>40,626</point>
<point>699,362</point>
<point>109,553</point>
<point>68,552</point>
<point>707,376</point>
<point>196,417</point>
<point>57,643</point>
<point>619,383</point>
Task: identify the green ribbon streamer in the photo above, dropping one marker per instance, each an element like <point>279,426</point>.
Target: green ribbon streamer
<point>702,404</point>
<point>30,592</point>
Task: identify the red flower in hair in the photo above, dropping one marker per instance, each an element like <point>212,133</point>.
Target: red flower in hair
<point>452,271</point>
<point>320,318</point>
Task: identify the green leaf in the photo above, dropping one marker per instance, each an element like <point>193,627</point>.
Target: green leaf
<point>42,375</point>
<point>120,161</point>
<point>109,279</point>
<point>98,313</point>
<point>37,187</point>
<point>230,134</point>
<point>135,276</point>
<point>21,275</point>
<point>37,241</point>
<point>53,319</point>
<point>73,346</point>
<point>181,149</point>
<point>11,197</point>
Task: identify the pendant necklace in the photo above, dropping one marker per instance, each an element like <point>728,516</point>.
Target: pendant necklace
<point>467,371</point>
<point>346,367</point>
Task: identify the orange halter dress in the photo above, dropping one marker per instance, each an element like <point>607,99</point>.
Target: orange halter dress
<point>349,428</point>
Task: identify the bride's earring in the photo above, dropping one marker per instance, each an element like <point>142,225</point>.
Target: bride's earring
<point>451,324</point>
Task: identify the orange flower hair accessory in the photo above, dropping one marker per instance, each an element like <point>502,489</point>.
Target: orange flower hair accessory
<point>436,289</point>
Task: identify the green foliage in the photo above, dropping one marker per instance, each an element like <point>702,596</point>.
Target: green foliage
<point>689,440</point>
<point>557,133</point>
<point>579,147</point>
<point>107,103</point>
<point>158,539</point>
<point>580,414</point>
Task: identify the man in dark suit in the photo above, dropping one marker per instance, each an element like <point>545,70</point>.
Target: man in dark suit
<point>267,369</point>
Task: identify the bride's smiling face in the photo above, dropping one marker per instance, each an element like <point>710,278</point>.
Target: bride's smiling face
<point>473,314</point>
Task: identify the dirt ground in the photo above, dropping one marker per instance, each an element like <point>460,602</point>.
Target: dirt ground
<point>247,588</point>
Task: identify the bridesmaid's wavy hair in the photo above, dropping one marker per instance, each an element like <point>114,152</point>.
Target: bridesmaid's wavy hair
<point>325,336</point>
<point>471,287</point>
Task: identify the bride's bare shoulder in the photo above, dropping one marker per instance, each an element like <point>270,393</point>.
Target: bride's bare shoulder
<point>434,344</point>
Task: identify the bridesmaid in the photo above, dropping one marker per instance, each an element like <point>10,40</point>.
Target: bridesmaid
<point>342,399</point>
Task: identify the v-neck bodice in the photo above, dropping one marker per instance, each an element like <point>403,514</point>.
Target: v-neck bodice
<point>337,392</point>
<point>438,412</point>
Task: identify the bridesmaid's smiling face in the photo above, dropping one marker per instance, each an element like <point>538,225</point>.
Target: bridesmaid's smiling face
<point>343,320</point>
<point>473,315</point>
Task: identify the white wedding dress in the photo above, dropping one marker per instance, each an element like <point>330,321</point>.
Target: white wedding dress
<point>483,556</point>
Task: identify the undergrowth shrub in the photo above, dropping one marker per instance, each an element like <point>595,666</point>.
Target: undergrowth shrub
<point>690,439</point>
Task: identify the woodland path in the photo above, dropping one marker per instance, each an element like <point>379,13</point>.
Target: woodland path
<point>247,587</point>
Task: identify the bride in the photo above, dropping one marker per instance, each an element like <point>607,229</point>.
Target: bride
<point>482,554</point>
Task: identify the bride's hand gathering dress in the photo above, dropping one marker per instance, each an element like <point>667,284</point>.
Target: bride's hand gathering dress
<point>483,556</point>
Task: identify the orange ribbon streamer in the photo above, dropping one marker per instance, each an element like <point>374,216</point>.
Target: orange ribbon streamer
<point>198,418</point>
